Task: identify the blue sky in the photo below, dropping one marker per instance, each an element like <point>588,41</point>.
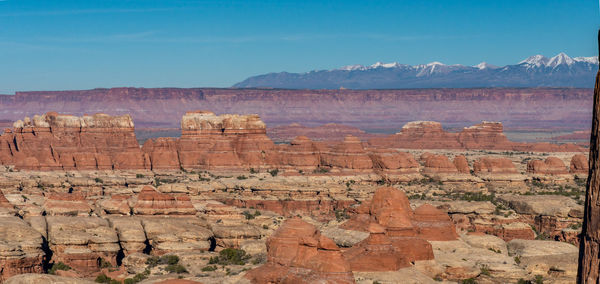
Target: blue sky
<point>58,45</point>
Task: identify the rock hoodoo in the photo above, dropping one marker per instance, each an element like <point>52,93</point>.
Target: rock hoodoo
<point>579,164</point>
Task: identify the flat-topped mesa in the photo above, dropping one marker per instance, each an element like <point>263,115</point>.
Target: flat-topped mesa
<point>65,142</point>
<point>550,166</point>
<point>486,135</point>
<point>224,141</point>
<point>207,122</point>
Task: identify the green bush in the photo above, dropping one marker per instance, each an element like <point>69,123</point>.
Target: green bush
<point>209,268</point>
<point>102,279</point>
<point>139,176</point>
<point>165,259</point>
<point>242,177</point>
<point>129,281</point>
<point>250,216</point>
<point>58,266</point>
<point>274,172</point>
<point>105,264</point>
<point>98,180</point>
<point>176,268</point>
<point>230,256</point>
<point>469,281</point>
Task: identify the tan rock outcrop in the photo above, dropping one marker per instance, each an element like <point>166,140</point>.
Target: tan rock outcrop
<point>82,242</point>
<point>20,248</point>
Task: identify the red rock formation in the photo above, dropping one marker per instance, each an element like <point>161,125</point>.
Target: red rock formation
<point>390,208</point>
<point>375,253</point>
<point>433,224</point>
<point>494,166</point>
<point>302,153</point>
<point>317,208</point>
<point>163,153</point>
<point>461,164</point>
<point>579,164</point>
<point>55,142</point>
<point>550,166</point>
<point>151,202</point>
<point>393,161</point>
<point>439,164</point>
<point>298,253</point>
<point>20,249</point>
<point>349,154</point>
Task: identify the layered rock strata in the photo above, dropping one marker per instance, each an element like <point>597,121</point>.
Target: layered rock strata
<point>64,142</point>
<point>20,248</point>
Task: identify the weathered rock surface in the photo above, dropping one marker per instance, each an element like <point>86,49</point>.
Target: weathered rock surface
<point>20,248</point>
<point>579,164</point>
<point>151,202</point>
<point>81,242</point>
<point>298,253</point>
<point>45,278</point>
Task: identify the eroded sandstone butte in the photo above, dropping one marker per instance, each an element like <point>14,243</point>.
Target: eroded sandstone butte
<point>63,142</point>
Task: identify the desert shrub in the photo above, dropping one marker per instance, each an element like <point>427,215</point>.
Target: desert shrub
<point>250,216</point>
<point>242,177</point>
<point>484,269</point>
<point>98,180</point>
<point>230,256</point>
<point>274,172</point>
<point>165,259</point>
<point>176,268</point>
<point>253,171</point>
<point>139,176</point>
<point>105,264</point>
<point>58,266</point>
<point>209,268</point>
<point>320,170</point>
<point>468,281</point>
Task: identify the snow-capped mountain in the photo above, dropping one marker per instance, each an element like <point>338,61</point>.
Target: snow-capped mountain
<point>534,71</point>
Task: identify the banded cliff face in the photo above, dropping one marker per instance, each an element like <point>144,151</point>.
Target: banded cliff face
<point>367,109</point>
<point>63,142</point>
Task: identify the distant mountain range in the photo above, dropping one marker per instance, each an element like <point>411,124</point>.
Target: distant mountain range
<point>535,71</point>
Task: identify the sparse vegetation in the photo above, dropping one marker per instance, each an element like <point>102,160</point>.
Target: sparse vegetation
<point>140,176</point>
<point>209,268</point>
<point>175,268</point>
<point>320,170</point>
<point>58,266</point>
<point>484,269</point>
<point>98,180</point>
<point>230,256</point>
<point>517,259</point>
<point>250,216</point>
<point>242,177</point>
<point>165,259</point>
<point>341,215</point>
<point>253,171</point>
<point>468,281</point>
<point>104,263</point>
